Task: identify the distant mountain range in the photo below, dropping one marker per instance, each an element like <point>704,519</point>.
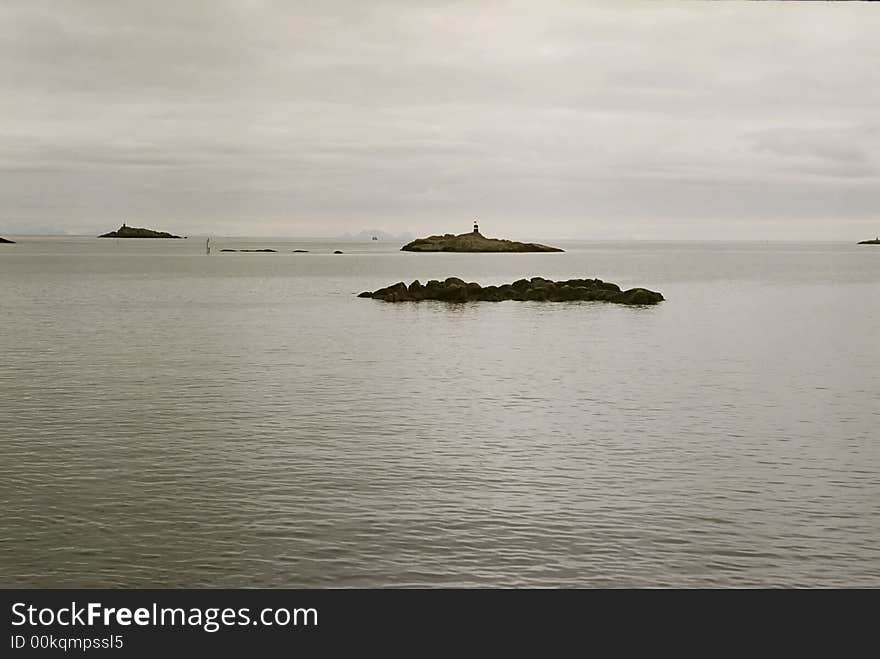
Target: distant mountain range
<point>368,234</point>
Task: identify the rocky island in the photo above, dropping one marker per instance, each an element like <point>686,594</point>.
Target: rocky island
<point>472,242</point>
<point>539,289</point>
<point>876,241</point>
<point>135,232</point>
<point>4,240</point>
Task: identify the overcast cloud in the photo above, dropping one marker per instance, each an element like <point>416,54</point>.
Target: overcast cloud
<point>542,119</point>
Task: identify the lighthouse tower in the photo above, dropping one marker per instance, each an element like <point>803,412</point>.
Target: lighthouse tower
<point>476,227</point>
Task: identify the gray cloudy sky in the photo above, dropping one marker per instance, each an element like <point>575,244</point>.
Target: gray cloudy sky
<point>543,119</point>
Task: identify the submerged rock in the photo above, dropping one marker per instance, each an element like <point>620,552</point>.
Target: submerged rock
<point>536,289</point>
<point>472,242</point>
<point>135,232</point>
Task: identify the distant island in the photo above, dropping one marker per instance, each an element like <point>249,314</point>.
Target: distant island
<point>472,242</point>
<point>876,241</point>
<point>4,240</point>
<point>535,289</point>
<point>135,232</point>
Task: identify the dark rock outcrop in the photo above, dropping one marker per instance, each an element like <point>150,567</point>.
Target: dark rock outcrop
<point>135,232</point>
<point>876,241</point>
<point>472,242</point>
<point>5,240</point>
<point>248,250</point>
<point>536,289</point>
<point>337,252</point>
<point>300,251</point>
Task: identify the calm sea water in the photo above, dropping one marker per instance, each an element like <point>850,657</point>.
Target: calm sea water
<point>173,419</point>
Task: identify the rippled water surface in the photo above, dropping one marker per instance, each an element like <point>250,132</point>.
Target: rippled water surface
<point>169,418</point>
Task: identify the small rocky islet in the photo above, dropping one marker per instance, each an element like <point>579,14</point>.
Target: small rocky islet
<point>473,242</point>
<point>536,289</point>
<point>876,241</point>
<point>6,240</point>
<point>137,232</point>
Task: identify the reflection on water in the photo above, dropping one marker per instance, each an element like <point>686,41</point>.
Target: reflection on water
<point>173,419</point>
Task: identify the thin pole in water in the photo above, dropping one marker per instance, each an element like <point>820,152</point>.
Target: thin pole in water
<point>208,246</point>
